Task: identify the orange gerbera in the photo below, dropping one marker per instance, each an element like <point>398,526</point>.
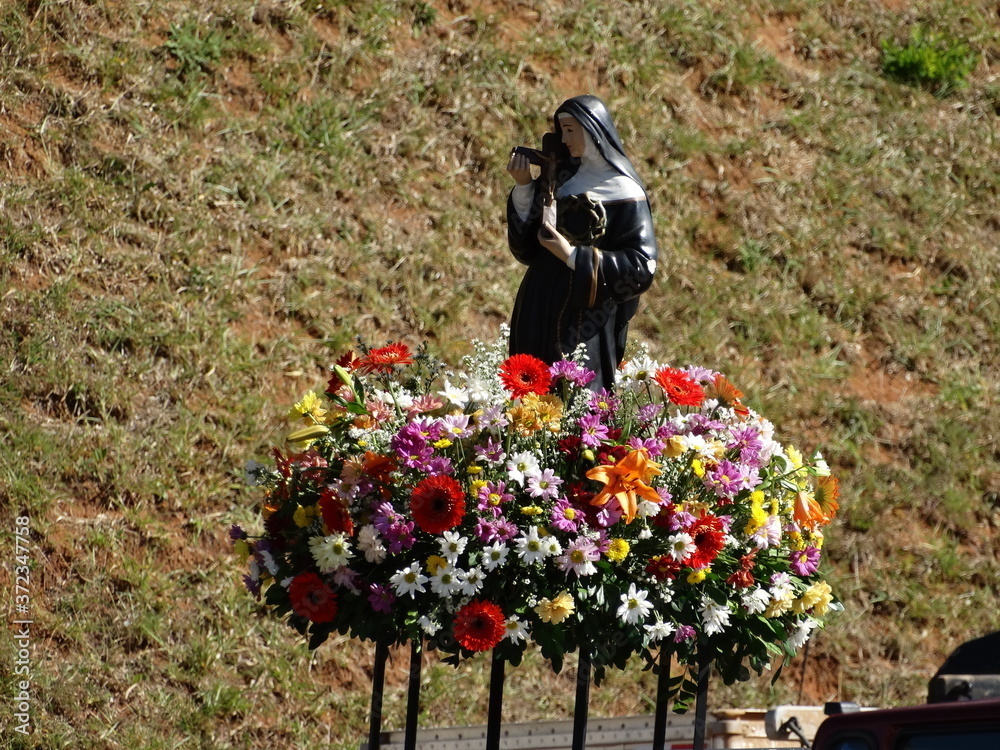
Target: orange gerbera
<point>827,493</point>
<point>385,358</point>
<point>728,394</point>
<point>626,481</point>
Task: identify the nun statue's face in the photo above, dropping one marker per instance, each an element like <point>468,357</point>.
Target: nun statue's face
<point>572,136</point>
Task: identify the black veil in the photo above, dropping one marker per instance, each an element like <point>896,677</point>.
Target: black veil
<point>594,117</point>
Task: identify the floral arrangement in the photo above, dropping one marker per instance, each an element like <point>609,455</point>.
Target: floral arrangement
<point>508,503</point>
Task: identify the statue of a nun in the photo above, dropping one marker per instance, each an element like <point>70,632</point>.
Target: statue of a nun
<point>587,264</point>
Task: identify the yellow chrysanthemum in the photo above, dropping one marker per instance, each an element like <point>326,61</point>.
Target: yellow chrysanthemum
<point>618,549</point>
<point>435,563</point>
<point>303,516</point>
<point>309,406</point>
<point>475,486</point>
<point>817,598</point>
<point>779,606</point>
<point>698,467</point>
<point>697,576</point>
<point>674,447</point>
<point>531,510</point>
<point>475,469</point>
<point>557,609</point>
<point>442,443</point>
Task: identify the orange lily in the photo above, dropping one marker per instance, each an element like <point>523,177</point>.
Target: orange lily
<point>627,480</point>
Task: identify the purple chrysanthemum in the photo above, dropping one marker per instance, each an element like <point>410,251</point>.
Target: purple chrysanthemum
<point>381,597</point>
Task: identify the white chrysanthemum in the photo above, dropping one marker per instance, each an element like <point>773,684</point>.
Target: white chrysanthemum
<point>634,607</point>
<point>530,547</point>
<point>521,466</point>
<point>447,581</point>
<point>370,543</point>
<point>452,545</point>
<point>715,617</point>
<point>410,580</point>
<point>494,556</point>
<point>428,625</point>
<point>477,389</point>
<point>471,581</point>
<point>515,630</point>
<point>647,508</point>
<point>802,633</point>
<point>660,630</point>
<point>698,444</point>
<point>755,601</point>
<point>781,586</point>
<point>457,396</point>
<point>269,563</point>
<point>330,552</point>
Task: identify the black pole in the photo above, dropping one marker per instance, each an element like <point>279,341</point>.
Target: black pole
<point>582,699</point>
<point>495,715</point>
<point>662,701</point>
<point>378,689</point>
<point>413,697</point>
<point>701,705</point>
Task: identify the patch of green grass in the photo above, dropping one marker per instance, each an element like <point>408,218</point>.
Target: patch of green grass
<point>934,61</point>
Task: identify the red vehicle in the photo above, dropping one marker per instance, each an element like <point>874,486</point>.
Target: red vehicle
<point>965,725</point>
<point>963,712</point>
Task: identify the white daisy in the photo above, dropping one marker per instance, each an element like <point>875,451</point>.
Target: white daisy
<point>447,581</point>
<point>471,581</point>
<point>521,466</point>
<point>634,607</point>
<point>530,547</point>
<point>410,580</point>
<point>494,556</point>
<point>452,545</point>
<point>681,545</point>
<point>516,630</point>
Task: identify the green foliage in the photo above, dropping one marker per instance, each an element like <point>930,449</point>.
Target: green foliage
<point>195,48</point>
<point>934,61</point>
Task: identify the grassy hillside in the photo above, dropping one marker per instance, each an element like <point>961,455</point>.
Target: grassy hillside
<point>202,204</point>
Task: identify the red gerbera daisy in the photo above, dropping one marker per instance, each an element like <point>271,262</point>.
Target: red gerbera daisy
<point>349,361</point>
<point>522,374</point>
<point>709,538</point>
<point>437,504</point>
<point>479,626</point>
<point>385,358</point>
<point>336,516</point>
<point>312,598</point>
<point>679,387</point>
<point>663,567</point>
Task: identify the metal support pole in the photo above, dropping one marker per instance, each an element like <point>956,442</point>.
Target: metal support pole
<point>495,716</point>
<point>413,697</point>
<point>701,705</point>
<point>378,689</point>
<point>662,702</point>
<point>582,706</point>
